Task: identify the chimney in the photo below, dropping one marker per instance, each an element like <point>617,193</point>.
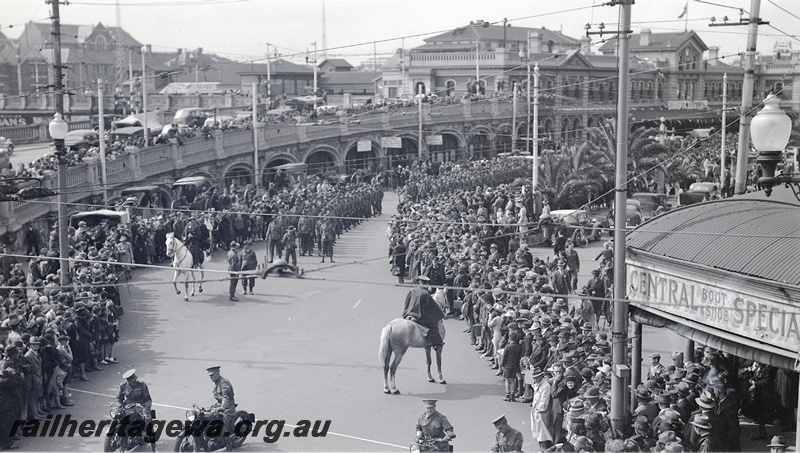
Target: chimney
<point>148,48</point>
<point>536,42</point>
<point>586,46</point>
<point>644,37</point>
<point>713,55</point>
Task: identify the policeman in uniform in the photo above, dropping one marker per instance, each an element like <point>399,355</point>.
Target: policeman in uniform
<point>435,426</point>
<point>134,391</point>
<point>223,393</point>
<point>506,438</point>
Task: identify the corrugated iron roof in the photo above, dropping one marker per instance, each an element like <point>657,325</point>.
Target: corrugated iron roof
<point>755,237</point>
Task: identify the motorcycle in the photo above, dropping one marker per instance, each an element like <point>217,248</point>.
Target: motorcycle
<point>197,434</point>
<point>426,444</point>
<point>119,440</point>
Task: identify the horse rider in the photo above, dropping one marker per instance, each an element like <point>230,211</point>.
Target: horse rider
<point>422,309</point>
<point>134,391</point>
<point>223,393</point>
<point>196,238</point>
<point>434,427</point>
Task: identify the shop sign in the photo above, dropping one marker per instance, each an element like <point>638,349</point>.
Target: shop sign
<point>715,303</point>
<point>364,146</point>
<point>687,105</point>
<point>434,139</point>
<point>391,142</point>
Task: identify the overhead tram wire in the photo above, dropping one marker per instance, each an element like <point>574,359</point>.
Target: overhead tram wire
<point>226,277</point>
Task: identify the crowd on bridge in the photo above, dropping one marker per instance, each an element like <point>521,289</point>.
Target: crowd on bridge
<point>464,231</point>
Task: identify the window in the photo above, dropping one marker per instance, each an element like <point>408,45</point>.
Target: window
<point>100,43</point>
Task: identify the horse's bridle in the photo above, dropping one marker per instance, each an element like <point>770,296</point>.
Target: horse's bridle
<point>175,250</point>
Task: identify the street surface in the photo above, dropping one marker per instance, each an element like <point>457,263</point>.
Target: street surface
<point>304,349</point>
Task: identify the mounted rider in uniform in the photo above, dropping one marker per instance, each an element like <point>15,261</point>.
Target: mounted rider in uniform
<point>422,309</point>
<point>196,238</point>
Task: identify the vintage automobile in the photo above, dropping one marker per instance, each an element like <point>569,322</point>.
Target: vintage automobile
<point>576,223</point>
<point>652,204</point>
<point>97,217</point>
<point>6,145</point>
<point>186,191</point>
<point>82,139</point>
<point>700,191</point>
<point>144,201</point>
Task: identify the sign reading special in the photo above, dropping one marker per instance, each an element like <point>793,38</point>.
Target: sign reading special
<point>715,304</point>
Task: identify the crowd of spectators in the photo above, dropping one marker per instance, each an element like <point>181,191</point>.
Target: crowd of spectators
<point>541,329</point>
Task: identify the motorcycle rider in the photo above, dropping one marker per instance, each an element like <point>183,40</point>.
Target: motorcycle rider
<point>434,426</point>
<point>134,391</point>
<point>223,393</point>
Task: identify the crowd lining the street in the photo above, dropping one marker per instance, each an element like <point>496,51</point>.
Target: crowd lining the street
<point>541,330</point>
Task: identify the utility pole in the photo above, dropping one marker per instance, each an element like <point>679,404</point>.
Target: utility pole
<point>662,140</point>
<point>747,91</point>
<point>723,145</point>
<point>477,67</point>
<point>144,99</point>
<point>101,120</point>
<point>257,175</point>
<point>403,65</point>
<point>528,94</point>
<point>269,82</point>
<point>130,76</point>
<point>58,90</point>
<point>619,331</point>
<point>315,76</point>
<point>514,116</point>
<point>535,127</point>
<point>419,144</point>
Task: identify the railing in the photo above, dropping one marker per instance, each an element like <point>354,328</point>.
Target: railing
<point>135,164</point>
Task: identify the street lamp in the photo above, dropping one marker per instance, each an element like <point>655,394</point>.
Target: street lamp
<point>58,131</point>
<point>769,131</point>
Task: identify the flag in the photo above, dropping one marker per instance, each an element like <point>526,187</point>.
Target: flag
<point>685,9</point>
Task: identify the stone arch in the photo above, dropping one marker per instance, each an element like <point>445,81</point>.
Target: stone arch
<point>417,87</point>
<point>406,154</point>
<point>322,158</point>
<point>503,142</point>
<point>268,172</point>
<point>239,173</point>
<point>355,159</point>
<point>450,87</point>
<point>480,143</point>
<point>453,147</point>
<point>577,129</point>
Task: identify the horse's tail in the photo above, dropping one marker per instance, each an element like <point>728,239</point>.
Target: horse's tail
<point>385,348</point>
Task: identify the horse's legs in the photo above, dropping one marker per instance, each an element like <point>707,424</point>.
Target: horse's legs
<point>188,274</point>
<point>428,362</point>
<point>202,274</point>
<point>438,350</point>
<point>398,356</point>
<point>175,281</point>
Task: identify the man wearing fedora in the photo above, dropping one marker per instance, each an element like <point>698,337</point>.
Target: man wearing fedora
<point>506,439</point>
<point>11,381</point>
<point>435,427</point>
<point>702,437</point>
<point>778,445</point>
<point>541,411</point>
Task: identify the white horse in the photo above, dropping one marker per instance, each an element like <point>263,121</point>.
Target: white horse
<point>183,262</point>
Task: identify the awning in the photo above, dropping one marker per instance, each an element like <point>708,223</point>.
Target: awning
<point>718,339</point>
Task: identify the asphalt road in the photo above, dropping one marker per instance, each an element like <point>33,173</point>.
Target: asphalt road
<point>303,349</point>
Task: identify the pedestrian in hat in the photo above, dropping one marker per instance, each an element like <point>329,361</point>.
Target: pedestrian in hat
<point>35,368</point>
<point>133,391</point>
<point>541,413</point>
<point>290,245</point>
<point>656,368</point>
<point>506,439</point>
<point>434,428</point>
<point>234,266</point>
<point>778,445</point>
<point>701,436</point>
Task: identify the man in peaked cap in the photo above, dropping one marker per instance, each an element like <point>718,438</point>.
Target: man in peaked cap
<point>234,266</point>
<point>223,393</point>
<point>434,427</point>
<point>506,438</point>
<point>134,391</point>
<point>656,367</point>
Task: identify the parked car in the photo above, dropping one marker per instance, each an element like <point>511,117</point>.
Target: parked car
<point>82,139</point>
<point>6,145</point>
<point>143,200</point>
<point>97,217</point>
<point>710,188</point>
<point>125,133</point>
<point>633,213</point>
<point>652,204</point>
<point>579,226</point>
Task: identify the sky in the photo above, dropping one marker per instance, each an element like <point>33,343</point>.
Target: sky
<point>244,29</point>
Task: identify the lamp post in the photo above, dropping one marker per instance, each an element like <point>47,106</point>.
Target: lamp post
<point>58,131</point>
<point>769,131</point>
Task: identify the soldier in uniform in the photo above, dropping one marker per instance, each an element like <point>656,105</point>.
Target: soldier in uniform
<point>223,393</point>
<point>328,233</point>
<point>305,225</point>
<point>196,238</point>
<point>234,266</point>
<point>290,246</point>
<point>134,391</point>
<point>249,263</point>
<point>435,427</point>
<point>274,235</point>
<point>507,438</point>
